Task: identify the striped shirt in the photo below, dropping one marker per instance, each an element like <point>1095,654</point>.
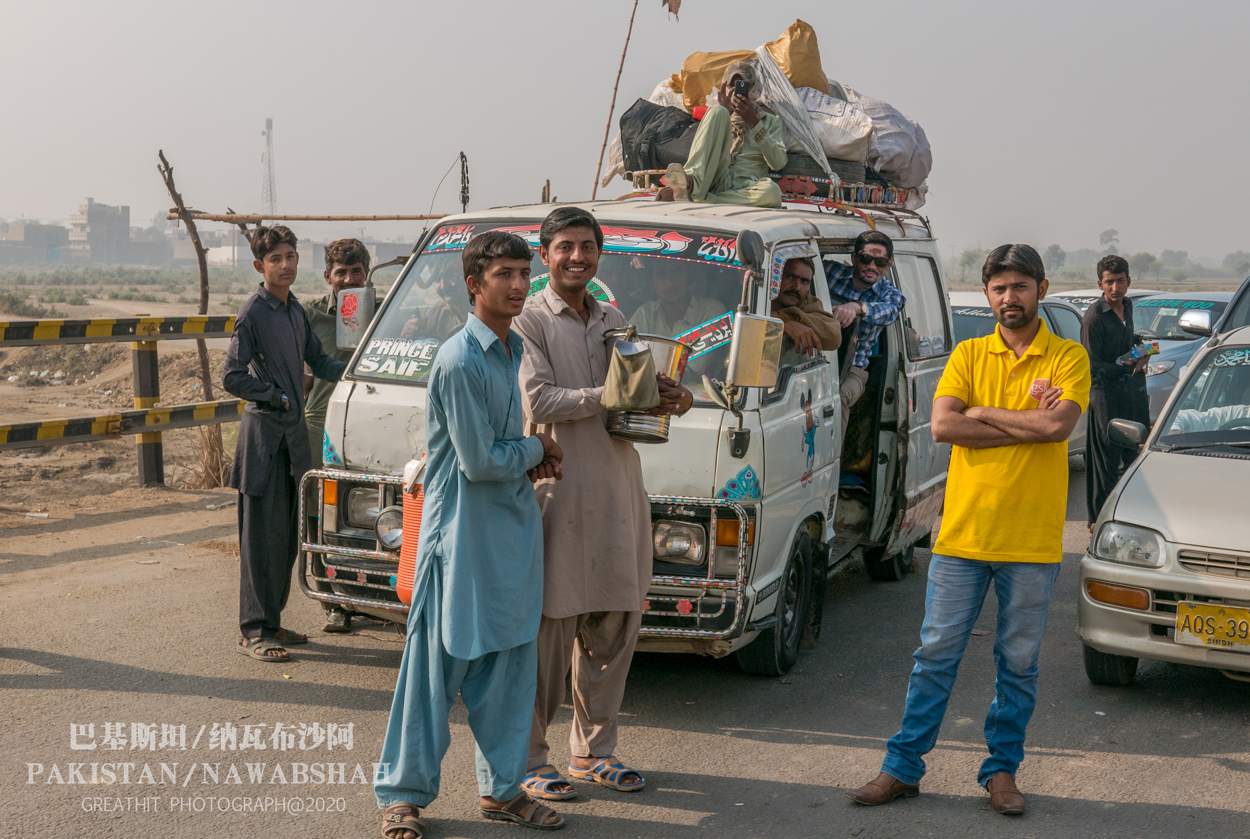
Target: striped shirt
<point>884,301</point>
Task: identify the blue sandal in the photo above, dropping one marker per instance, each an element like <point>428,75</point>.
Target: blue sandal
<point>538,783</point>
<point>608,773</point>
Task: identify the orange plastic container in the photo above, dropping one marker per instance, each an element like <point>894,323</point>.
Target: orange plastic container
<point>408,549</point>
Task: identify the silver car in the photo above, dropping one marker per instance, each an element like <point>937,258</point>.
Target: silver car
<point>971,317</point>
<point>1167,576</point>
<point>1158,318</point>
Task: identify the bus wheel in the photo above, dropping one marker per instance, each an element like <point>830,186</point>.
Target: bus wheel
<point>887,569</point>
<point>775,650</point>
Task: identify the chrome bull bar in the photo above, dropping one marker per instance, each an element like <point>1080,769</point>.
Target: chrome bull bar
<point>684,607</point>
<point>308,547</point>
<point>702,587</point>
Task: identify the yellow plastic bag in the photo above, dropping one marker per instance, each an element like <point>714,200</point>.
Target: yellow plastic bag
<point>701,72</point>
<point>798,55</point>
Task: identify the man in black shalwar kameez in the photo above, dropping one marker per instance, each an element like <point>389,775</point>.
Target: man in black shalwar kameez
<point>265,366</point>
<point>1118,391</point>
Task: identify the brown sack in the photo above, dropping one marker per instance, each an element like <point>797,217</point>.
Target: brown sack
<point>701,72</point>
<point>798,55</point>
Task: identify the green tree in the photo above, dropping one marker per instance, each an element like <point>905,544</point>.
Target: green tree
<point>1235,257</point>
<point>968,259</point>
<point>1178,275</point>
<point>1242,268</point>
<point>1174,259</point>
<point>1141,263</point>
<point>1054,258</point>
<point>1108,239</point>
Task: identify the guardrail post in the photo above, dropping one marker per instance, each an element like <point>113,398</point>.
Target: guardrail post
<point>147,378</point>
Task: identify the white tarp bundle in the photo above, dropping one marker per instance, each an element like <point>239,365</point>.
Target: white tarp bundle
<point>778,94</point>
<point>899,150</point>
<point>844,130</point>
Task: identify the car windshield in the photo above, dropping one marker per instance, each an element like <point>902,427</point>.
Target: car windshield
<point>680,284</point>
<point>1159,317</point>
<point>1214,409</point>
<point>1081,303</point>
<point>972,322</point>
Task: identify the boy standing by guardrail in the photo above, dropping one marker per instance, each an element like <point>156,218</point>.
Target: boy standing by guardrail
<point>265,366</point>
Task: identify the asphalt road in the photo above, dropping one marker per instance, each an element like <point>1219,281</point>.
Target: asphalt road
<point>121,612</point>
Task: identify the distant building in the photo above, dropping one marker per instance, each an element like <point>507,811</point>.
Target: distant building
<point>100,233</point>
<point>25,241</point>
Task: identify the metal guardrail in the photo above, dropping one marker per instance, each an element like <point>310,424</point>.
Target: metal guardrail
<point>31,333</point>
<point>25,435</point>
<point>147,420</point>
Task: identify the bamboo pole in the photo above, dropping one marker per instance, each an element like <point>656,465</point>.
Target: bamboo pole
<point>256,218</point>
<point>612,108</point>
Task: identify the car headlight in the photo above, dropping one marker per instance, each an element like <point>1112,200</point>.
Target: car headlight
<point>390,528</point>
<point>678,541</point>
<point>1156,368</point>
<point>1129,544</point>
<point>362,506</point>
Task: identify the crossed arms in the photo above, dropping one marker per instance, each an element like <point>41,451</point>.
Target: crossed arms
<point>981,427</point>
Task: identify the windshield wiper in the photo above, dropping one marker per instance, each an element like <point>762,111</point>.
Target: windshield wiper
<point>1183,447</point>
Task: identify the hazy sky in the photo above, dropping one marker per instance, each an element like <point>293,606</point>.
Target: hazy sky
<point>1049,121</point>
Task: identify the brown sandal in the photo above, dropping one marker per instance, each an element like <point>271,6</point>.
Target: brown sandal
<point>526,812</point>
<point>400,817</point>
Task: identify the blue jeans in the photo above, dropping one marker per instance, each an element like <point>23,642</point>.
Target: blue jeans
<point>956,592</point>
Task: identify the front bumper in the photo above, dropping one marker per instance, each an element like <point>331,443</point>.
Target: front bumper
<point>705,607</point>
<point>1149,633</point>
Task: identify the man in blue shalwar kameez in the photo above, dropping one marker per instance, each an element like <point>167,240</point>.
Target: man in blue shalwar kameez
<point>478,589</point>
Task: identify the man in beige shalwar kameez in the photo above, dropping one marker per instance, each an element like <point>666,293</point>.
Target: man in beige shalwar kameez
<point>596,522</point>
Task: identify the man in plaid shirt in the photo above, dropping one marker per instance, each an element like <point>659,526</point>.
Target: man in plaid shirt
<point>871,298</point>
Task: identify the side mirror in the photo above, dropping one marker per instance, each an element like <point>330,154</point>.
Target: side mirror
<point>755,353</point>
<point>750,251</point>
<point>1127,433</point>
<point>1196,322</point>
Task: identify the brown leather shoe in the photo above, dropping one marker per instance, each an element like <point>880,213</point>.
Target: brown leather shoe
<point>1004,797</point>
<point>882,790</point>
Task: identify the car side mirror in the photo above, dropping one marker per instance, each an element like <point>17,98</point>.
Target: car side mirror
<point>1196,322</point>
<point>755,353</point>
<point>1126,433</point>
<point>750,251</point>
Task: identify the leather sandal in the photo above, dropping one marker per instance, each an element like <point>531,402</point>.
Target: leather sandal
<point>399,817</point>
<point>526,812</point>
<point>259,649</point>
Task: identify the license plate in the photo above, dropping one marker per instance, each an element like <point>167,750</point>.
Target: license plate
<point>1221,627</point>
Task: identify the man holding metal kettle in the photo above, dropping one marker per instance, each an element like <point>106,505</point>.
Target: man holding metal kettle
<point>596,522</point>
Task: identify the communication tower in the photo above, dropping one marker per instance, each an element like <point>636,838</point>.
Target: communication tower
<point>269,183</point>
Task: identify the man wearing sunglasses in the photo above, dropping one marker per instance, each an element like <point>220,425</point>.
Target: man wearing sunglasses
<point>870,297</point>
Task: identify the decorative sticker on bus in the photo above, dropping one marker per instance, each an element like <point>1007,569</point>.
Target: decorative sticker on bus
<point>598,289</point>
<point>398,359</point>
<point>709,335</point>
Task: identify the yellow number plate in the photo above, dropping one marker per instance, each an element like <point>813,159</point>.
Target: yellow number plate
<point>1204,625</point>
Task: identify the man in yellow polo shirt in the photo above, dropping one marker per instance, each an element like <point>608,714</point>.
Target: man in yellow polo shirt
<point>1007,403</point>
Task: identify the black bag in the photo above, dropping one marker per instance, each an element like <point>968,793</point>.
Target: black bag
<point>653,136</point>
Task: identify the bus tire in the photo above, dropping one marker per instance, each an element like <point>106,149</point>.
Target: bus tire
<point>775,650</point>
<point>887,569</point>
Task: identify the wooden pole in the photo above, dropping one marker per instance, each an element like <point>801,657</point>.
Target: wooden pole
<point>612,108</point>
<point>215,463</point>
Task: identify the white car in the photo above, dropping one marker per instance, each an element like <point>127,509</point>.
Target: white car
<point>1167,576</point>
<point>1083,298</point>
<point>971,317</point>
